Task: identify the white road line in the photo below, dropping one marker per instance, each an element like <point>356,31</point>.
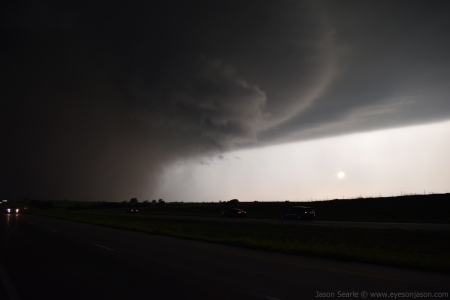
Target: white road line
<point>103,247</point>
<point>9,288</point>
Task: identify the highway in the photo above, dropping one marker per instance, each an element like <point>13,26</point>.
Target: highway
<point>375,225</point>
<point>44,258</point>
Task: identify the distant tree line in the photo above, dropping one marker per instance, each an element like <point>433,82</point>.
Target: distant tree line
<point>233,201</point>
<point>133,202</point>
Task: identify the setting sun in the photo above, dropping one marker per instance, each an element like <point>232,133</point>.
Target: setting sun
<point>341,174</point>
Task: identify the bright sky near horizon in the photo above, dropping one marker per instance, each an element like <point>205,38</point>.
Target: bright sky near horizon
<point>390,162</point>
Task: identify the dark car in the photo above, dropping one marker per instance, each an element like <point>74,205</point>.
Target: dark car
<point>132,210</point>
<point>299,213</point>
<point>234,213</point>
<point>12,210</point>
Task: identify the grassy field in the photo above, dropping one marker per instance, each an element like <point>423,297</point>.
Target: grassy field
<point>415,209</point>
<point>431,208</point>
<point>406,248</point>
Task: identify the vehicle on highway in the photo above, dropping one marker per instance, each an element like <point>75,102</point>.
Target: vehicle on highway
<point>234,213</point>
<point>299,213</point>
<point>12,210</point>
<point>132,210</point>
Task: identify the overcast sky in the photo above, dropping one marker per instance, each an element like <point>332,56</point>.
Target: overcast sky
<point>109,101</point>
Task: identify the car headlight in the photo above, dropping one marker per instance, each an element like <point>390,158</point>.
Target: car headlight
<point>17,210</point>
<point>8,210</point>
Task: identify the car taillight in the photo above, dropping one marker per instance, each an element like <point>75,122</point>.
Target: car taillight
<point>239,212</point>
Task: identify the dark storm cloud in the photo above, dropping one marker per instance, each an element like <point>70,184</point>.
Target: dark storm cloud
<point>99,97</point>
<point>392,69</point>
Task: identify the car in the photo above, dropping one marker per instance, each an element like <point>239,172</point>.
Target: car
<point>132,210</point>
<point>298,213</point>
<point>234,213</point>
<point>12,210</point>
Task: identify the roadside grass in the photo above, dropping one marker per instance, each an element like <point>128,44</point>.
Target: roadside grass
<point>431,208</point>
<point>418,249</point>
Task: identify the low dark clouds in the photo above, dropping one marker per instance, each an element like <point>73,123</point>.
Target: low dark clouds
<point>98,97</point>
<point>392,69</point>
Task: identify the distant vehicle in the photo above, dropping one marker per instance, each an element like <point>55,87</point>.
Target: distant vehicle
<point>299,213</point>
<point>234,213</point>
<point>132,210</point>
<point>12,210</point>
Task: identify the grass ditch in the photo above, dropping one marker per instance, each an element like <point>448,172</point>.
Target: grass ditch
<point>431,208</point>
<point>418,249</point>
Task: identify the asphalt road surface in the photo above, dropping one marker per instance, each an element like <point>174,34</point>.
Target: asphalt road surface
<point>376,225</point>
<point>44,258</point>
<point>379,225</point>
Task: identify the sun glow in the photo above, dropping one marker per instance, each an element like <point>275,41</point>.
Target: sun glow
<point>390,162</point>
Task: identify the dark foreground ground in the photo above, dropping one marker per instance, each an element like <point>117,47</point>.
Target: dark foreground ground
<point>46,258</point>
